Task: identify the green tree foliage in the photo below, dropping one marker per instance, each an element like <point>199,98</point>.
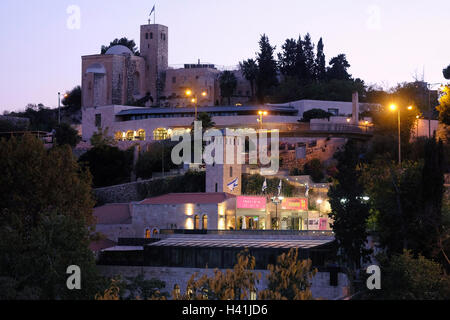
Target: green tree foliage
<point>407,201</point>
<point>41,118</point>
<point>316,114</point>
<point>236,284</point>
<point>65,134</point>
<point>315,169</point>
<point>45,215</point>
<point>228,84</point>
<point>320,71</point>
<point>349,211</point>
<point>206,120</point>
<point>446,73</point>
<point>151,161</point>
<point>267,75</point>
<point>338,68</point>
<point>250,71</point>
<point>289,279</point>
<point>101,138</point>
<point>73,99</point>
<point>406,277</point>
<point>108,165</point>
<point>309,54</point>
<point>287,59</point>
<point>252,185</point>
<point>444,106</point>
<point>138,288</point>
<point>130,44</point>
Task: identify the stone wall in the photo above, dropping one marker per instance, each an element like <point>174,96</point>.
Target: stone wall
<point>180,276</point>
<point>123,193</point>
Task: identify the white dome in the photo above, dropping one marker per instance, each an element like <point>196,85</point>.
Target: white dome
<point>119,50</point>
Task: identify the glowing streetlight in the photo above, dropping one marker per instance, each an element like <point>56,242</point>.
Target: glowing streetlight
<point>393,108</point>
<point>189,93</point>
<point>261,115</point>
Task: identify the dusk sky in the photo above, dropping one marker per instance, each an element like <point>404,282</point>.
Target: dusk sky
<point>386,41</point>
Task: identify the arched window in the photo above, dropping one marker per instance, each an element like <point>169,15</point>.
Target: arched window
<point>141,135</point>
<point>197,223</point>
<point>118,136</point>
<point>155,232</point>
<point>148,234</point>
<point>177,291</point>
<point>130,135</point>
<point>205,222</point>
<point>160,134</point>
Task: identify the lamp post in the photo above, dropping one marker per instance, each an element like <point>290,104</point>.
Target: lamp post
<point>277,200</point>
<point>261,115</point>
<point>189,93</point>
<point>394,107</point>
<point>59,105</point>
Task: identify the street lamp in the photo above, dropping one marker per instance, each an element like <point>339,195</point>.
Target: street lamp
<point>59,105</point>
<point>394,108</point>
<point>261,115</point>
<point>277,200</point>
<point>189,93</point>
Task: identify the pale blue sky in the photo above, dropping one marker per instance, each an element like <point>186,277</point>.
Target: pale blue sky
<point>386,41</point>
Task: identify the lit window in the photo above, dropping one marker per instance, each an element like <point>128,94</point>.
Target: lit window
<point>148,234</point>
<point>130,136</point>
<point>118,136</point>
<point>197,223</point>
<point>205,222</point>
<point>141,135</point>
<point>160,134</point>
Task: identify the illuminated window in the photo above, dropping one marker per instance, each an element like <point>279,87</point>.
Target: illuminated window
<point>197,223</point>
<point>155,232</point>
<point>141,135</point>
<point>148,234</point>
<point>205,222</point>
<point>160,134</point>
<point>130,135</point>
<point>118,136</point>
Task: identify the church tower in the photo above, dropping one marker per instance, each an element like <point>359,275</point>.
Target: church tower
<point>226,177</point>
<point>155,50</point>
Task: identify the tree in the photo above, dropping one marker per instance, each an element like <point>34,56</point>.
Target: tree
<point>287,59</point>
<point>228,84</point>
<point>314,169</point>
<point>315,114</point>
<point>73,99</point>
<point>444,106</point>
<point>267,75</point>
<point>446,73</point>
<point>338,68</point>
<point>252,185</point>
<point>249,69</point>
<point>65,134</point>
<point>320,71</point>
<point>236,284</point>
<point>308,51</point>
<point>349,210</point>
<point>139,288</point>
<point>102,138</point>
<point>130,44</point>
<point>45,221</point>
<point>405,277</point>
<point>108,165</point>
<point>289,279</point>
<point>152,161</point>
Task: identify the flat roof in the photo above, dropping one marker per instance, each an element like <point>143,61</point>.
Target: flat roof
<point>187,198</point>
<point>142,111</point>
<point>240,243</point>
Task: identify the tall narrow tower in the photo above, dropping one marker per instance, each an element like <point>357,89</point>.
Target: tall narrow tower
<point>155,50</point>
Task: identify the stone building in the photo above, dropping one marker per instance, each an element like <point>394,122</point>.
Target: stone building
<point>119,77</point>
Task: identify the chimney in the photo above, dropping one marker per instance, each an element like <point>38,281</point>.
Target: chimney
<point>355,114</point>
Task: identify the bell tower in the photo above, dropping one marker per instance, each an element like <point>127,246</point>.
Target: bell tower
<point>155,50</point>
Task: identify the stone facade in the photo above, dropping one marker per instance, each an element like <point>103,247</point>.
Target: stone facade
<point>321,288</point>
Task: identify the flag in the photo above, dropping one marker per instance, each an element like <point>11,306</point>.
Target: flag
<point>153,10</point>
<point>307,190</point>
<point>264,188</point>
<point>280,187</point>
<point>233,184</point>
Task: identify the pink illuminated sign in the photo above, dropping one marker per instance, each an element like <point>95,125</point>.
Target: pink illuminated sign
<point>251,202</point>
